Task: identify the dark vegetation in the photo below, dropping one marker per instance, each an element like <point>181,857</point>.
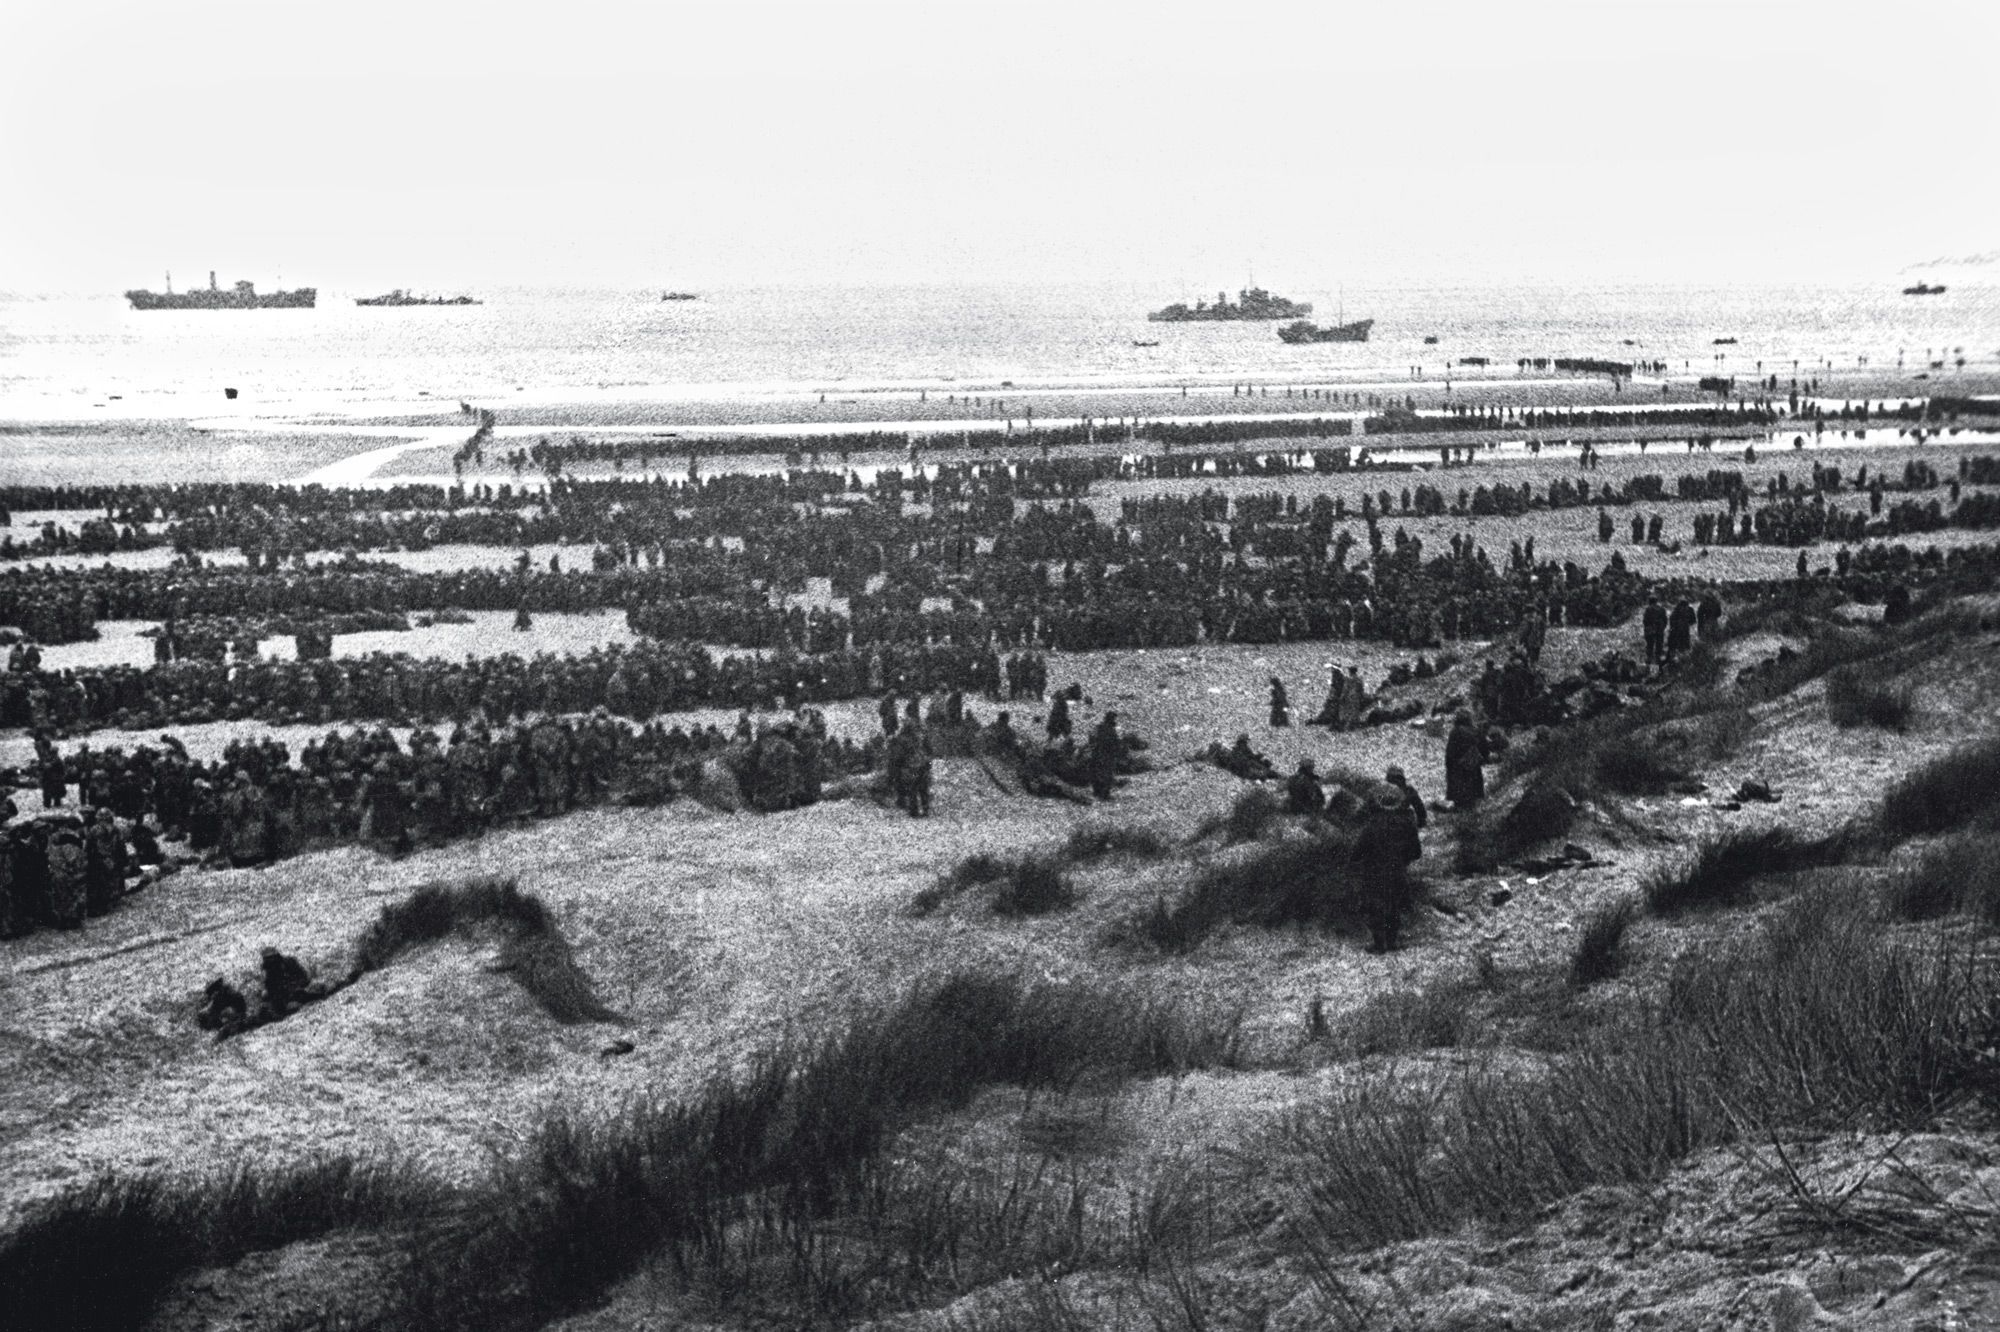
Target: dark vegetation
<point>1959,873</point>
<point>1597,954</point>
<point>1720,869</point>
<point>1039,882</point>
<point>772,1155</point>
<point>1299,881</point>
<point>533,951</point>
<point>1961,788</point>
<point>1855,698</point>
<point>100,1257</point>
<point>754,1165</point>
<point>1248,818</point>
<point>1819,1021</point>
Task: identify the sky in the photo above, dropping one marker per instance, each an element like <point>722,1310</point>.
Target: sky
<point>438,146</point>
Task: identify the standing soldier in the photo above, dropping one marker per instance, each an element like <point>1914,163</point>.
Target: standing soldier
<point>1653,623</point>
<point>1059,723</point>
<point>1102,756</point>
<point>1708,614</point>
<point>886,710</point>
<point>1680,629</point>
<point>104,864</point>
<point>1281,706</point>
<point>1382,856</point>
<point>1303,793</point>
<point>1464,773</point>
<point>67,877</point>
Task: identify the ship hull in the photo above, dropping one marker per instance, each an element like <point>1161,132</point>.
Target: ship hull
<point>301,299</point>
<point>1304,332</point>
<point>408,300</point>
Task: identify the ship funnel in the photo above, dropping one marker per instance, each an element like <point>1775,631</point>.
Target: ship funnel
<point>211,279</point>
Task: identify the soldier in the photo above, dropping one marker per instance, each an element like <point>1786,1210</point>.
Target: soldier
<point>1281,706</point>
<point>1708,615</point>
<point>104,863</point>
<point>245,827</point>
<point>287,985</point>
<point>1397,778</point>
<point>223,1009</point>
<point>1464,775</point>
<point>68,874</point>
<point>1382,855</point>
<point>1303,793</point>
<point>1680,629</point>
<point>388,808</point>
<point>1653,624</point>
<point>1103,755</point>
<point>54,776</point>
<point>1059,723</point>
<point>1330,711</point>
<point>17,914</point>
<point>886,710</point>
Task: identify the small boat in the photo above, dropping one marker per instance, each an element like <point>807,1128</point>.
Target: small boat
<point>1137,342</point>
<point>1724,342</point>
<point>680,296</point>
<point>1923,289</point>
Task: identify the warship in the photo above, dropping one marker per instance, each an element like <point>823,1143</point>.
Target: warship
<point>242,296</point>
<point>1302,331</point>
<point>401,297</point>
<point>1251,303</point>
<point>1923,289</point>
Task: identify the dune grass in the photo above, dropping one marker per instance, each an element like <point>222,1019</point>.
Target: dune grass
<point>1300,881</point>
<point>1855,697</point>
<point>1596,955</point>
<point>1958,789</point>
<point>533,950</point>
<point>1720,869</point>
<point>100,1256</point>
<point>1819,1020</point>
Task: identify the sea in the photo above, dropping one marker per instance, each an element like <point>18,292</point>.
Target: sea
<point>91,357</point>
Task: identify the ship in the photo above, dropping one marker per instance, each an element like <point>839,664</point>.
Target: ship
<point>401,297</point>
<point>1302,331</point>
<point>1251,303</point>
<point>242,296</point>
<point>1923,289</point>
<point>680,296</point>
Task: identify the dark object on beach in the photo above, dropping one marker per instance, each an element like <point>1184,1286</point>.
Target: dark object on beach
<point>401,297</point>
<point>617,1047</point>
<point>242,296</point>
<point>1302,331</point>
<point>1430,340</point>
<point>1923,289</point>
<point>1752,789</point>
<point>1138,343</point>
<point>1725,342</point>
<point>230,394</point>
<point>1251,303</point>
<point>680,296</point>
<point>1501,896</point>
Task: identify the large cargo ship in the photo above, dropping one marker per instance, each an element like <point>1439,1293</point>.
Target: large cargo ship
<point>1251,303</point>
<point>401,297</point>
<point>1305,332</point>
<point>242,296</point>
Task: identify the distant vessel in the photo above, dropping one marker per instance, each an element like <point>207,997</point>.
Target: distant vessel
<point>1141,342</point>
<point>1303,331</point>
<point>680,296</point>
<point>242,296</point>
<point>1923,289</point>
<point>401,297</point>
<point>1252,303</point>
<point>1724,342</point>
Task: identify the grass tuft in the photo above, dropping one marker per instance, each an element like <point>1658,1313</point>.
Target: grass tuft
<point>533,950</point>
<point>1960,788</point>
<point>1597,954</point>
<point>1854,698</point>
<point>1720,869</point>
<point>1034,886</point>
